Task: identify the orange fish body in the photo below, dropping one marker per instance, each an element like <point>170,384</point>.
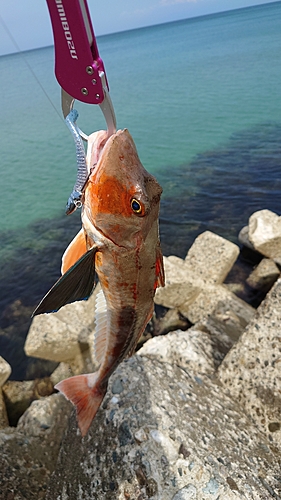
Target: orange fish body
<point>119,240</point>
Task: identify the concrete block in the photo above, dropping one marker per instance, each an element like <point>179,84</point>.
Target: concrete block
<point>264,275</point>
<point>265,234</point>
<point>5,371</point>
<point>4,422</point>
<point>18,395</point>
<point>191,349</point>
<point>220,302</point>
<point>164,433</point>
<point>243,238</point>
<point>62,335</point>
<point>211,257</point>
<point>251,371</point>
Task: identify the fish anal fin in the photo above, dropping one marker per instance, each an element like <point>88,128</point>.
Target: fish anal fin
<point>85,396</point>
<point>76,284</point>
<point>74,251</point>
<point>159,269</point>
<point>101,327</point>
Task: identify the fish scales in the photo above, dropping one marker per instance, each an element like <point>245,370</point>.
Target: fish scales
<point>119,240</point>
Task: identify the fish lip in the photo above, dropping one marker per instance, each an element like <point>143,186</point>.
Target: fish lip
<point>108,238</point>
<point>88,225</point>
<point>101,153</point>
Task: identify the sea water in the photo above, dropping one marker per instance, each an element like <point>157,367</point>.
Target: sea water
<point>201,98</point>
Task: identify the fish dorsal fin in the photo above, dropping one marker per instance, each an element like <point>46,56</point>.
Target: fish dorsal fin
<point>101,324</point>
<point>76,284</point>
<point>74,251</point>
<point>159,268</point>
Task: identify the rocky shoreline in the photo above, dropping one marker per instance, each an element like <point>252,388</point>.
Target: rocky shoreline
<point>195,414</point>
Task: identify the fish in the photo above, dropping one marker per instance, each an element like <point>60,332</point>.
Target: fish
<point>119,242</point>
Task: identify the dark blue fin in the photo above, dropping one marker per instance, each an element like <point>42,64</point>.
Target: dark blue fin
<point>76,284</point>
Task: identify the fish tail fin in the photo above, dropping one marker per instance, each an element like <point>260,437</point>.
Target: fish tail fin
<point>85,395</point>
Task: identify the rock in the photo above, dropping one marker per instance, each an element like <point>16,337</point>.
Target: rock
<point>146,335</point>
<point>81,364</point>
<point>179,287</point>
<point>19,395</point>
<point>62,371</point>
<point>5,371</point>
<point>41,415</point>
<point>173,295</point>
<point>251,370</point>
<point>243,238</point>
<point>265,234</point>
<point>263,276</point>
<point>219,302</point>
<point>29,452</point>
<point>168,435</point>
<point>209,260</point>
<point>191,349</point>
<point>211,257</point>
<point>171,321</point>
<point>175,271</point>
<point>4,422</point>
<point>61,336</point>
<point>222,336</point>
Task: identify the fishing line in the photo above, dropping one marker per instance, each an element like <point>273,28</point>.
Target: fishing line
<point>28,65</point>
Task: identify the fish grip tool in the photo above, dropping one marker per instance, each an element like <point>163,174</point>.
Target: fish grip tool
<point>80,72</point>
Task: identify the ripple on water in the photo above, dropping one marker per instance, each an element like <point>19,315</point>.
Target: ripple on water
<point>217,191</point>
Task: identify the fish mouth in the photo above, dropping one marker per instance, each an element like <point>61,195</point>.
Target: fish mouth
<point>98,143</point>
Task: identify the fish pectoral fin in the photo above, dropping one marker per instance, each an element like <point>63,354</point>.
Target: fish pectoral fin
<point>159,268</point>
<point>76,284</point>
<point>74,251</point>
<point>101,327</point>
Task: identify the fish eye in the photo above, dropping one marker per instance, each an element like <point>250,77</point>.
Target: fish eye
<point>136,206</point>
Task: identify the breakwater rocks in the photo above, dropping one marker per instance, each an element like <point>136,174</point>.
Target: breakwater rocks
<point>195,414</point>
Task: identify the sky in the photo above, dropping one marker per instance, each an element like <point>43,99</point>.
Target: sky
<point>29,25</point>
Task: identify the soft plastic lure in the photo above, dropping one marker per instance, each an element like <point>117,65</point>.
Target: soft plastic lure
<point>74,201</point>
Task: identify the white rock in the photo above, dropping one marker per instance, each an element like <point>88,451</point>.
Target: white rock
<point>265,233</point>
<point>3,412</point>
<point>175,294</point>
<point>211,257</point>
<point>251,370</point>
<point>179,286</point>
<point>5,371</point>
<point>191,349</point>
<point>217,300</point>
<point>264,275</point>
<point>243,238</point>
<point>42,415</point>
<point>60,336</point>
<point>209,260</point>
<point>186,493</point>
<point>168,445</point>
<point>140,435</point>
<point>201,444</point>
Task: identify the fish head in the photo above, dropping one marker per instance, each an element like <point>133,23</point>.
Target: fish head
<point>121,198</point>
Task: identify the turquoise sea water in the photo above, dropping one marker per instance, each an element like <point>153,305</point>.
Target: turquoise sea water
<point>201,97</point>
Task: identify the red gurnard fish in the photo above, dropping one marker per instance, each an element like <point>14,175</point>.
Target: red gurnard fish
<point>119,241</point>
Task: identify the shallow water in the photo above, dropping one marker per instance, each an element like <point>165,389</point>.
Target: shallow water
<point>201,98</point>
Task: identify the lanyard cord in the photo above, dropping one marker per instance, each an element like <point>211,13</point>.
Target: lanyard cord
<point>28,65</point>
